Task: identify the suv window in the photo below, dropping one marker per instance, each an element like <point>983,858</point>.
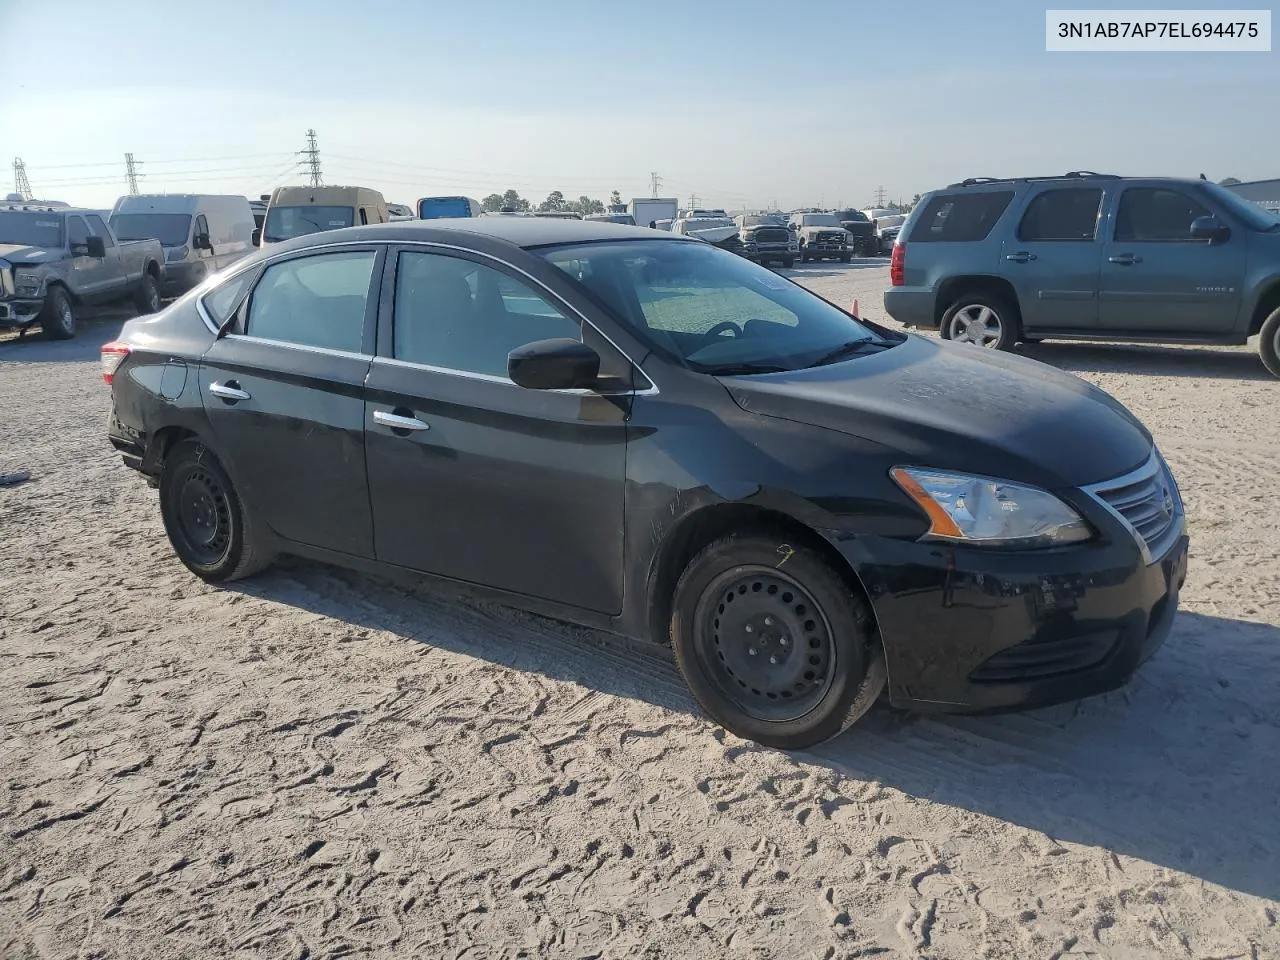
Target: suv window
<point>460,315</point>
<point>960,217</point>
<point>99,229</point>
<point>1067,214</point>
<point>77,232</point>
<point>316,301</point>
<point>1156,214</point>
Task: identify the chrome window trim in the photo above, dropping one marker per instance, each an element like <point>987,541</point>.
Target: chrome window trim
<point>326,351</point>
<point>1153,467</point>
<point>649,391</point>
<point>506,381</point>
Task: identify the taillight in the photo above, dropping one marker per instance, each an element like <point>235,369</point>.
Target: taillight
<point>897,264</point>
<point>113,355</point>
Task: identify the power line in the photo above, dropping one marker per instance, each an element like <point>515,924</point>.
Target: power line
<point>21,185</point>
<point>131,173</point>
<point>312,153</point>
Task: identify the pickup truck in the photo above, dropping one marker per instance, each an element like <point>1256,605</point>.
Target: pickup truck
<point>55,260</point>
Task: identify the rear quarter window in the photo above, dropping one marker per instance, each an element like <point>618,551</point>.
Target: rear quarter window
<point>960,217</point>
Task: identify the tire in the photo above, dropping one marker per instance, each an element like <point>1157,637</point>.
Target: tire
<point>146,296</point>
<point>804,256</point>
<point>214,533</point>
<point>58,317</point>
<point>982,319</point>
<point>1269,343</point>
<point>846,258</point>
<point>788,262</point>
<point>819,663</point>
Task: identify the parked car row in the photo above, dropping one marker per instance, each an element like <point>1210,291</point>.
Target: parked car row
<point>1085,256</point>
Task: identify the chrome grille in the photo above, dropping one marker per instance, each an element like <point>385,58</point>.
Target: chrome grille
<point>1147,502</point>
<point>831,236</point>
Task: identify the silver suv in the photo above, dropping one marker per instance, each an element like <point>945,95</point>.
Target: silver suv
<point>1087,256</point>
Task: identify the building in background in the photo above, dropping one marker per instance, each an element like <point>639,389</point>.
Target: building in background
<point>1265,193</point>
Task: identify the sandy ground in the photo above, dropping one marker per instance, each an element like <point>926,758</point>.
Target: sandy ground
<point>317,764</point>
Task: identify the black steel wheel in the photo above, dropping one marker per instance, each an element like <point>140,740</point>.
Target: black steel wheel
<point>211,530</point>
<point>765,643</point>
<point>773,643</point>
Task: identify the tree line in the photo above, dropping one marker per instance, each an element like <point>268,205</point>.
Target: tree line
<point>555,202</point>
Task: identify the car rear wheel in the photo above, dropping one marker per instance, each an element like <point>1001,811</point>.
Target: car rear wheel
<point>772,642</point>
<point>213,532</point>
<point>788,262</point>
<point>58,317</point>
<point>1269,342</point>
<point>846,258</point>
<point>982,320</point>
<point>147,296</point>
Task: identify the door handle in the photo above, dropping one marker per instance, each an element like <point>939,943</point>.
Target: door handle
<point>1022,256</point>
<point>1125,259</point>
<point>397,422</point>
<point>229,391</point>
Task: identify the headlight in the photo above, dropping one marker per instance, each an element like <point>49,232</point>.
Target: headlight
<point>175,254</point>
<point>987,512</point>
<point>26,283</point>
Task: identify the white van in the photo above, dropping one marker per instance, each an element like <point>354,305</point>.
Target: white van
<point>297,211</point>
<point>200,233</point>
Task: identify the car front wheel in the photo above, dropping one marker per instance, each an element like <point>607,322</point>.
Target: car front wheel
<point>773,644</point>
<point>212,530</point>
<point>58,318</point>
<point>1269,342</point>
<point>982,320</point>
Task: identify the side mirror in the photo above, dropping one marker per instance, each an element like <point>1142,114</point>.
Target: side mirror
<point>201,242</point>
<point>256,237</point>
<point>1209,228</point>
<point>559,364</point>
<point>96,247</point>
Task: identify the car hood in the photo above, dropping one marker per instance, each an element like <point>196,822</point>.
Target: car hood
<point>19,253</point>
<point>958,407</point>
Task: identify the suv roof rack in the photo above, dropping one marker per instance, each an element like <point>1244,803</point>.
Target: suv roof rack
<point>1073,175</point>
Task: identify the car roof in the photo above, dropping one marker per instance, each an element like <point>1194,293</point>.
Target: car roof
<point>34,207</point>
<point>520,231</point>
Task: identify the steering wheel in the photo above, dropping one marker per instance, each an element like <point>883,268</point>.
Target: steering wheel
<point>723,327</point>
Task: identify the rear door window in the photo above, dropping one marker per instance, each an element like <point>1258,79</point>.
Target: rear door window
<point>960,217</point>
<point>315,301</point>
<point>1066,214</point>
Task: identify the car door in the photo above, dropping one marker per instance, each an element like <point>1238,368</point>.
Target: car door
<point>1157,279</point>
<point>1054,257</point>
<point>90,276</point>
<point>114,280</point>
<point>488,482</point>
<point>207,256</point>
<point>284,394</point>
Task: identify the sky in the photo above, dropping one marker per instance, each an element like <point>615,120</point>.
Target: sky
<point>738,103</point>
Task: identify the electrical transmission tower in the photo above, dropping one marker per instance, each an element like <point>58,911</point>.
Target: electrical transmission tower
<point>21,185</point>
<point>879,196</point>
<point>655,182</point>
<point>131,172</point>
<point>312,155</point>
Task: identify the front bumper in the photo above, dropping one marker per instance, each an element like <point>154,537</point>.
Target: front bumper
<point>771,251</point>
<point>20,311</point>
<point>968,631</point>
<point>827,250</point>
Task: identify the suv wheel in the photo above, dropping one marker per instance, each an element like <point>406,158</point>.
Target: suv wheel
<point>1269,342</point>
<point>147,296</point>
<point>982,320</point>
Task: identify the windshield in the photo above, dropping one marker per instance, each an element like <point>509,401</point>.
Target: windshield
<point>856,215</point>
<point>709,309</point>
<point>1254,216</point>
<point>171,229</point>
<point>31,229</point>
<point>284,223</point>
<point>435,208</point>
<point>820,220</point>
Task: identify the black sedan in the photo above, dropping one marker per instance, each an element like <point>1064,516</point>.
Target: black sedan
<point>649,435</point>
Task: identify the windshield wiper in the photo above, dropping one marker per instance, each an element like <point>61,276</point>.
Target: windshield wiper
<point>852,349</point>
<point>741,369</point>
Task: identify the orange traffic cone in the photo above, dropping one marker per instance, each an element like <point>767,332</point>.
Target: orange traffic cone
<point>854,311</point>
